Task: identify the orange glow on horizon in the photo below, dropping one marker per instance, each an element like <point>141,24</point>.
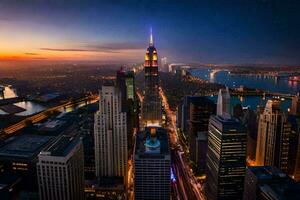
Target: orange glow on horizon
<point>68,55</point>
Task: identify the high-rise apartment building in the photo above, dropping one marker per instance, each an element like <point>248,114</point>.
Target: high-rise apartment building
<point>110,132</point>
<point>60,170</point>
<point>273,137</point>
<point>226,156</point>
<point>152,162</point>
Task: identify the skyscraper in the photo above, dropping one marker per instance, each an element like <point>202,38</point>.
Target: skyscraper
<point>60,170</point>
<point>121,76</point>
<point>200,112</point>
<point>164,64</point>
<point>126,85</point>
<point>273,137</point>
<point>295,108</point>
<point>226,157</point>
<point>294,140</point>
<point>152,102</point>
<point>152,162</point>
<point>223,104</point>
<point>110,132</point>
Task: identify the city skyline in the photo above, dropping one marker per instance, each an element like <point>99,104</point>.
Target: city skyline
<point>86,116</point>
<point>261,32</point>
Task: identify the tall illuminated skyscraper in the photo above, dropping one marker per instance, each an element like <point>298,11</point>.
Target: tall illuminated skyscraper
<point>226,157</point>
<point>110,132</point>
<point>152,102</point>
<point>273,137</point>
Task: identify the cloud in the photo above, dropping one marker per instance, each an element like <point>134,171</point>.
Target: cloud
<point>31,54</point>
<point>77,50</point>
<point>104,47</point>
<point>117,46</point>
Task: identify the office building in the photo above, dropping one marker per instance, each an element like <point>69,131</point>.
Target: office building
<point>152,102</point>
<point>226,156</point>
<point>183,112</point>
<point>200,112</point>
<point>152,162</point>
<point>294,148</point>
<point>120,83</point>
<point>295,107</point>
<point>273,137</point>
<point>269,183</point>
<point>60,170</point>
<point>110,132</point>
<point>19,155</point>
<point>164,64</point>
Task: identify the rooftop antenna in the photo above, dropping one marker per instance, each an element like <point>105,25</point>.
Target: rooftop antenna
<point>151,37</point>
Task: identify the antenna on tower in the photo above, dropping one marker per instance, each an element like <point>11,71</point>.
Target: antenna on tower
<point>151,37</point>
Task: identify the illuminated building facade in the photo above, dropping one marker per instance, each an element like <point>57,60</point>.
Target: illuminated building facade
<point>294,140</point>
<point>226,158</point>
<point>110,132</point>
<point>152,102</point>
<point>273,137</point>
<point>152,162</point>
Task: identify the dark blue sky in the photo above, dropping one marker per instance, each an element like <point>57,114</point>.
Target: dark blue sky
<point>236,32</point>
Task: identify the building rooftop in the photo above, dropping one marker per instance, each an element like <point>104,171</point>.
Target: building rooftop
<point>227,124</point>
<point>144,141</point>
<point>62,146</point>
<point>275,183</point>
<point>24,146</point>
<point>267,172</point>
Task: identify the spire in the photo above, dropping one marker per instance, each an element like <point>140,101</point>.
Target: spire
<point>151,37</point>
<point>223,104</point>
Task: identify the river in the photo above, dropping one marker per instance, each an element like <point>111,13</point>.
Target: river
<point>33,107</point>
<point>267,83</point>
<point>29,106</point>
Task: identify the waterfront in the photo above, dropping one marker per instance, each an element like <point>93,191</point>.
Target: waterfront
<point>30,107</point>
<point>267,83</point>
<point>258,82</point>
<point>7,92</point>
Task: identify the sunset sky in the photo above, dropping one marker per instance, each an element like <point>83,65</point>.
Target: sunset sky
<point>188,31</point>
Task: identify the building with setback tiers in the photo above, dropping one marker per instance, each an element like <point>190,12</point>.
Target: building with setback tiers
<point>60,170</point>
<point>110,132</point>
<point>273,137</point>
<point>152,162</point>
<point>226,154</point>
<point>152,102</point>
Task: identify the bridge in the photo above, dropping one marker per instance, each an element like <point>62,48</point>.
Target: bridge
<point>43,115</point>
